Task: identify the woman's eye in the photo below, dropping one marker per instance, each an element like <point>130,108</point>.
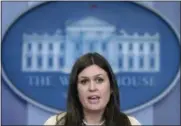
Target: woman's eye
<point>99,80</point>
<point>83,81</point>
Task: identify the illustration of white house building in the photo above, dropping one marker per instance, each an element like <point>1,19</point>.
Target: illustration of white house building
<point>87,35</point>
<point>125,52</point>
<point>42,53</point>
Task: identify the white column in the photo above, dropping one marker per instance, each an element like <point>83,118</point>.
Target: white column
<point>24,56</point>
<point>56,51</point>
<point>157,56</point>
<point>116,54</point>
<point>69,58</point>
<point>34,56</point>
<point>125,56</point>
<point>85,47</point>
<point>110,56</point>
<point>99,47</point>
<point>45,52</point>
<point>136,56</point>
<point>146,56</point>
<point>54,64</point>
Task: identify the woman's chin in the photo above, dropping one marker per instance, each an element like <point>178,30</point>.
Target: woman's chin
<point>94,108</point>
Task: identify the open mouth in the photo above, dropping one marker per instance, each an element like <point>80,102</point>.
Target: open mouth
<point>93,99</point>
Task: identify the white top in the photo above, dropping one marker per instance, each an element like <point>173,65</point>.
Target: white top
<point>52,120</point>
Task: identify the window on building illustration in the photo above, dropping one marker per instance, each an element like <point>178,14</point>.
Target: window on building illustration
<point>39,46</point>
<point>50,61</point>
<point>29,46</point>
<point>120,47</point>
<point>81,36</point>
<point>50,46</point>
<point>39,61</point>
<point>152,47</point>
<point>120,62</point>
<point>29,61</point>
<point>152,62</point>
<point>61,62</point>
<point>92,46</point>
<point>131,46</point>
<point>130,62</point>
<point>141,62</point>
<point>77,46</point>
<point>141,47</point>
<point>62,46</point>
<point>104,46</point>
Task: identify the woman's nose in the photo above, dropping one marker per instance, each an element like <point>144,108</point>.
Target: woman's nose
<point>92,86</point>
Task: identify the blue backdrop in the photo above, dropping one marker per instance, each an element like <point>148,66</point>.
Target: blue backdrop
<point>166,111</point>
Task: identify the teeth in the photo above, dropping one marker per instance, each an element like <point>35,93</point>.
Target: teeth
<point>94,97</point>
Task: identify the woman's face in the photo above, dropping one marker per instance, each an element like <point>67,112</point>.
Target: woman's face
<point>93,88</point>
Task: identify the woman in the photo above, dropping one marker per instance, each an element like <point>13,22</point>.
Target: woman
<point>93,96</point>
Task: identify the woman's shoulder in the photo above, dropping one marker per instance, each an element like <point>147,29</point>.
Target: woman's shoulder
<point>53,119</point>
<point>134,121</point>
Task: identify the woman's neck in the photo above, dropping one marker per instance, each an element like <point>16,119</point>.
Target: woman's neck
<point>93,117</point>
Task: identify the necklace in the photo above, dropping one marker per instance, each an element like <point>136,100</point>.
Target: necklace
<point>93,124</point>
